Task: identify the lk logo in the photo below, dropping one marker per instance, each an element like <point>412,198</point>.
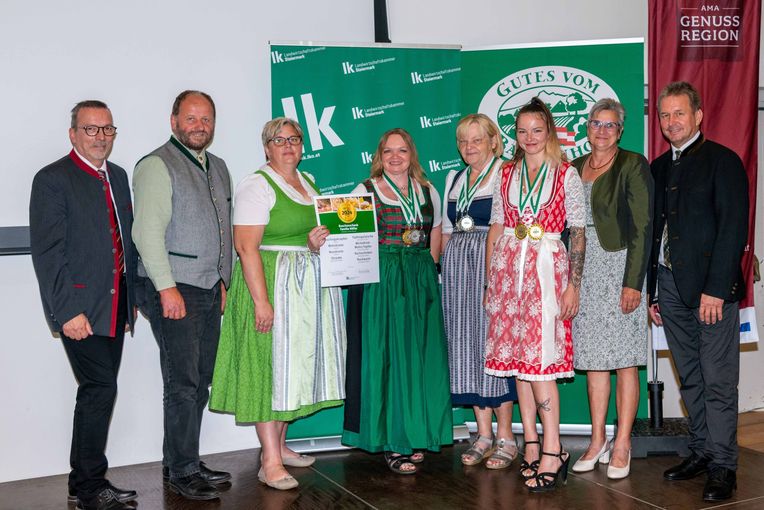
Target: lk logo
<point>357,113</point>
<point>277,57</point>
<point>425,122</point>
<point>416,78</point>
<point>347,68</point>
<point>366,157</point>
<point>315,126</point>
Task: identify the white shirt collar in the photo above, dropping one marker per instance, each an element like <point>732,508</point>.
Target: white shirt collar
<point>88,163</point>
<point>686,144</point>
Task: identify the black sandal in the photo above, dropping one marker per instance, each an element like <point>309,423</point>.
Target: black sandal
<point>549,481</point>
<point>533,467</point>
<point>395,461</point>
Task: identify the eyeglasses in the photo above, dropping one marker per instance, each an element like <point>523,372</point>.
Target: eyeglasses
<point>278,141</point>
<point>474,141</point>
<point>607,126</point>
<point>93,130</point>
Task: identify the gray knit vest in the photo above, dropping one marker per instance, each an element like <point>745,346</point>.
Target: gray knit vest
<point>198,238</point>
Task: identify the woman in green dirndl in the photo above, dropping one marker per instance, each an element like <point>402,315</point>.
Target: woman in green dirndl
<point>282,346</point>
<point>398,397</point>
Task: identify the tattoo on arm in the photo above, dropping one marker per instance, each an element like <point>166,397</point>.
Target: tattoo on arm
<point>543,406</point>
<point>577,255</point>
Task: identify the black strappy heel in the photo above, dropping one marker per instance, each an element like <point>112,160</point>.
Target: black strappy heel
<point>533,466</point>
<point>549,481</point>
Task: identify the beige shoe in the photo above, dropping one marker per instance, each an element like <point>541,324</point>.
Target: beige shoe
<point>479,450</point>
<point>283,484</point>
<point>504,454</point>
<point>603,457</point>
<point>616,473</point>
<point>301,461</point>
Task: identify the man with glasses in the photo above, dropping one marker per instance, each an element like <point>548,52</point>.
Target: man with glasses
<point>695,282</point>
<point>80,218</point>
<point>183,234</point>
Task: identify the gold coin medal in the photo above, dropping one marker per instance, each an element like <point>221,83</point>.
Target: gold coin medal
<point>536,232</point>
<point>411,210</point>
<point>465,223</point>
<point>412,236</point>
<point>533,200</point>
<point>521,231</point>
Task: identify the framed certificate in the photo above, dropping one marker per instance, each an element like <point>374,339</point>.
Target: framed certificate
<point>350,254</point>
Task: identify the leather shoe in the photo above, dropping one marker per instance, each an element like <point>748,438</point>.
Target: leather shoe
<point>690,467</point>
<point>212,476</point>
<point>193,487</point>
<point>105,500</point>
<point>720,485</point>
<point>122,495</point>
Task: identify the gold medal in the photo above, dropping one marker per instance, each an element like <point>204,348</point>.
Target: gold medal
<point>521,231</point>
<point>412,236</point>
<point>536,232</point>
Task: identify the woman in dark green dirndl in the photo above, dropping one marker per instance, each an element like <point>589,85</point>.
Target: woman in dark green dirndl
<point>398,397</point>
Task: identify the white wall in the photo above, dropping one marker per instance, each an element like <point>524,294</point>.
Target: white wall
<point>137,56</point>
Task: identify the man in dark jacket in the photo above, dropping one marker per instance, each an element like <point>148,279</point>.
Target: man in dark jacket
<point>80,218</point>
<point>695,282</point>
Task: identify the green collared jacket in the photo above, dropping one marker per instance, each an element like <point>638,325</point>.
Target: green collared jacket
<point>622,208</point>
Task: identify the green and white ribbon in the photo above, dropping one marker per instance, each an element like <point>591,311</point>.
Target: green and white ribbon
<point>525,183</point>
<point>467,193</point>
<point>410,205</point>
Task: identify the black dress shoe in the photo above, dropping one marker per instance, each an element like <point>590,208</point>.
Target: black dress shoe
<point>193,487</point>
<point>212,476</point>
<point>122,495</point>
<point>720,485</point>
<point>106,500</point>
<point>690,467</point>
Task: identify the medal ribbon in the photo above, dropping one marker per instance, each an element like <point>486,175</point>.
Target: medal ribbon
<point>467,193</point>
<point>525,179</point>
<point>410,206</point>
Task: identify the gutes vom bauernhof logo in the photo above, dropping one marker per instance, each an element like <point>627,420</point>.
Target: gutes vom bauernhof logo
<point>569,93</point>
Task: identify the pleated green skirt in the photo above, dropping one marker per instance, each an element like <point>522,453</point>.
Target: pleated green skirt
<point>243,380</point>
<point>399,400</point>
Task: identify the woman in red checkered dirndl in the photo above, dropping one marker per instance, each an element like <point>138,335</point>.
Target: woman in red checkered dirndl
<point>533,284</point>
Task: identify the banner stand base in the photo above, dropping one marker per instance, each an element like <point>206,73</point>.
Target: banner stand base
<point>334,443</point>
<point>671,439</point>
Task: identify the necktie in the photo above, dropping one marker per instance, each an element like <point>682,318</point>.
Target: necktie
<point>117,233</point>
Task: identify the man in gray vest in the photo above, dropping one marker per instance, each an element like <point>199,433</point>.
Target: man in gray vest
<point>182,231</point>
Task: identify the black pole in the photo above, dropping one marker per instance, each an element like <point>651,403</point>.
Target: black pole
<point>655,389</point>
<point>381,34</point>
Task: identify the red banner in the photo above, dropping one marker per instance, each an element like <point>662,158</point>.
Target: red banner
<point>713,44</point>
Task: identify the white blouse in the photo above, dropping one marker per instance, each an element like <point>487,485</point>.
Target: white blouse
<point>436,220</point>
<point>255,198</point>
<point>575,200</point>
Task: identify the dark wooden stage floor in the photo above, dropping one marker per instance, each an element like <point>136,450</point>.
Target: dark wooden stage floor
<point>352,479</point>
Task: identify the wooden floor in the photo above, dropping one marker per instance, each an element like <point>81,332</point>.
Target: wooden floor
<point>353,479</point>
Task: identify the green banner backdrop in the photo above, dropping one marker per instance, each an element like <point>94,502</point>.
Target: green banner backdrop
<point>345,97</point>
<point>570,77</point>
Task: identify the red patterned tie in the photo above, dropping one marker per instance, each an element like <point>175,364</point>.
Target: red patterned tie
<point>117,233</point>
